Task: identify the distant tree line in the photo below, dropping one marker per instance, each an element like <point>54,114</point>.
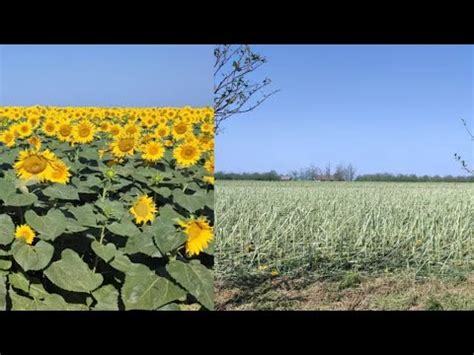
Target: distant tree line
<point>413,178</point>
<point>269,176</point>
<point>341,173</point>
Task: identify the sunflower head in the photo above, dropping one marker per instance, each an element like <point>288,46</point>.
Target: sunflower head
<point>153,151</point>
<point>143,209</point>
<point>49,127</point>
<point>35,142</point>
<point>83,132</point>
<point>123,145</point>
<point>187,154</point>
<point>199,234</point>
<point>25,233</point>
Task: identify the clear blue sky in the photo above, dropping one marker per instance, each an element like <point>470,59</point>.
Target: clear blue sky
<point>100,75</point>
<point>383,108</point>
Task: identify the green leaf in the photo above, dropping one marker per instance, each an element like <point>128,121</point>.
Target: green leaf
<point>166,236</point>
<point>142,243</point>
<point>105,252</point>
<point>121,263</point>
<point>61,192</point>
<point>32,257</point>
<point>192,203</point>
<point>124,228</point>
<point>89,154</point>
<point>37,291</point>
<point>163,191</point>
<point>19,281</point>
<point>51,302</point>
<point>107,298</point>
<point>85,215</point>
<point>20,200</point>
<point>170,307</point>
<point>112,209</point>
<point>7,229</point>
<point>195,278</point>
<point>7,188</point>
<point>143,289</point>
<point>73,226</point>
<point>50,226</point>
<point>5,264</point>
<point>72,274</point>
<point>3,293</point>
<point>168,213</point>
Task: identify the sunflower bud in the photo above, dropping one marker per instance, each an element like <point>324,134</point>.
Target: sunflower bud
<point>110,173</point>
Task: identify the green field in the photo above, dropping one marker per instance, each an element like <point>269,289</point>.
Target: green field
<point>328,228</point>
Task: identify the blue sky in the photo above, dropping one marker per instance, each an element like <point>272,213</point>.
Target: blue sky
<point>383,108</point>
<point>100,75</point>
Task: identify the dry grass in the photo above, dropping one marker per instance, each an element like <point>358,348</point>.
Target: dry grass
<point>351,292</point>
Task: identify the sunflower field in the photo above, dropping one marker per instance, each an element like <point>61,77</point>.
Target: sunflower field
<point>106,208</point>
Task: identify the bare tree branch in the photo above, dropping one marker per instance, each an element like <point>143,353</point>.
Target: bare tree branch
<point>464,165</point>
<point>235,92</point>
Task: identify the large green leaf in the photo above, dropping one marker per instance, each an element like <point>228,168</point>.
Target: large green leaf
<point>85,215</point>
<point>5,264</point>
<point>61,192</point>
<point>3,293</point>
<point>142,243</point>
<point>195,278</point>
<point>72,274</point>
<point>19,281</point>
<point>166,236</point>
<point>143,289</point>
<point>51,302</point>
<point>191,203</point>
<point>32,257</point>
<point>111,209</point>
<point>123,228</point>
<point>163,191</point>
<point>20,200</point>
<point>7,229</point>
<point>168,213</point>
<point>73,226</point>
<point>50,226</point>
<point>105,252</point>
<point>107,298</point>
<point>7,188</point>
<point>121,263</point>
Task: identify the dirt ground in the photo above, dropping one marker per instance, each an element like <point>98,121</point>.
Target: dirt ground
<point>351,292</point>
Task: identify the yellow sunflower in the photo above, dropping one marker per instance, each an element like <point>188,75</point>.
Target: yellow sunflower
<point>8,138</point>
<point>83,132</point>
<point>131,129</point>
<point>25,232</point>
<point>180,129</point>
<point>162,131</point>
<point>49,127</point>
<point>115,130</point>
<point>187,154</point>
<point>35,165</point>
<point>209,179</point>
<point>207,127</point>
<point>64,132</point>
<point>24,129</point>
<point>59,172</point>
<point>143,209</point>
<point>123,145</point>
<point>35,141</point>
<point>153,151</point>
<point>104,126</point>
<point>199,234</point>
<point>209,165</point>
